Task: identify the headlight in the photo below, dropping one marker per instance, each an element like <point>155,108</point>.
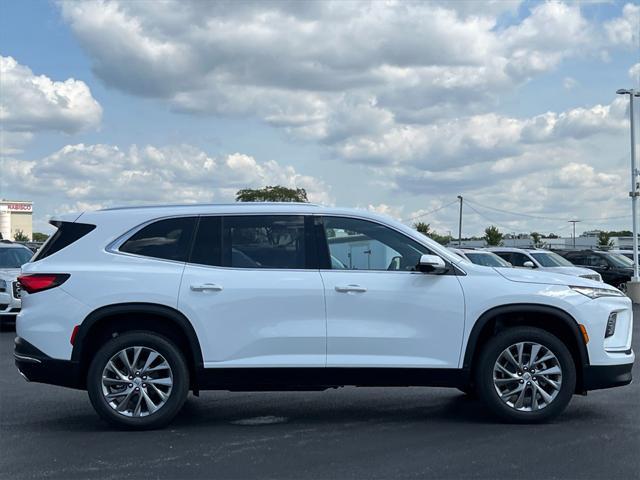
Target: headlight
<point>598,292</point>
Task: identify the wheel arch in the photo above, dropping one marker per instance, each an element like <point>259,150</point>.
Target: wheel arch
<point>552,319</point>
<point>162,319</point>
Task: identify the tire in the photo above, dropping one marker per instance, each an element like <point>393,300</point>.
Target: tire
<point>164,382</point>
<point>522,407</point>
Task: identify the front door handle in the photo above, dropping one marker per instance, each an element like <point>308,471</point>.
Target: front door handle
<point>350,288</point>
<point>202,287</point>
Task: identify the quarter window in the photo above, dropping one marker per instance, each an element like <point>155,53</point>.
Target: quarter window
<point>169,239</point>
<point>355,244</point>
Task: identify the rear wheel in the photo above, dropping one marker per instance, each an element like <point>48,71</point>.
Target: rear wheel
<point>138,380</point>
<point>526,375</point>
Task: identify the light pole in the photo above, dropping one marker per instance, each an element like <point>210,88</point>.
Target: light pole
<point>460,223</point>
<point>574,231</point>
<point>634,183</point>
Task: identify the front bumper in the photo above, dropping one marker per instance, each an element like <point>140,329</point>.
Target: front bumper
<point>36,366</point>
<point>597,377</point>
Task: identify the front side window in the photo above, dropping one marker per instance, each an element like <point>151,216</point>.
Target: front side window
<point>169,239</point>
<point>518,259</point>
<point>356,244</point>
<point>264,241</point>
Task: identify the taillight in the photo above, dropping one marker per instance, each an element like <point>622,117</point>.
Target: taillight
<point>37,282</point>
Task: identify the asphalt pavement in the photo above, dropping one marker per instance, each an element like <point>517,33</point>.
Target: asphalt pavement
<point>351,433</point>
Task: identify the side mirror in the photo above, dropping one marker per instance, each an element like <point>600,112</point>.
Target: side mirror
<point>528,264</point>
<point>431,264</point>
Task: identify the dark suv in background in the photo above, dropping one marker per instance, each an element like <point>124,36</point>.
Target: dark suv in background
<point>615,269</point>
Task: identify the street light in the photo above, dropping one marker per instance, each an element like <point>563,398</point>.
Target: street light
<point>634,174</point>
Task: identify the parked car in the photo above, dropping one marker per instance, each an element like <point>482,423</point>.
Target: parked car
<point>615,269</point>
<point>481,257</point>
<point>543,260</point>
<point>625,253</point>
<point>12,257</point>
<point>161,300</point>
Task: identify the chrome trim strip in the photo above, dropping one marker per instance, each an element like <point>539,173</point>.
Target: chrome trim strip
<point>24,358</point>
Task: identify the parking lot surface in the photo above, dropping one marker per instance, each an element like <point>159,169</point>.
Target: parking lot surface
<point>52,432</point>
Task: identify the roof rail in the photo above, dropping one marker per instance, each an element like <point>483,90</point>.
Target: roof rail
<point>187,205</point>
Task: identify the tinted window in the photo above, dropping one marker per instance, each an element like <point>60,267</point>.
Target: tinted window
<point>169,239</point>
<point>14,257</point>
<point>518,259</point>
<point>207,247</point>
<point>506,256</point>
<point>550,259</point>
<point>264,241</point>
<point>67,233</point>
<point>362,245</point>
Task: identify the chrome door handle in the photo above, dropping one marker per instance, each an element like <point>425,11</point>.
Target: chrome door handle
<point>202,287</point>
<point>350,288</point>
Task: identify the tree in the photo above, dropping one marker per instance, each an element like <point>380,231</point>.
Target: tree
<point>425,229</point>
<point>275,193</point>
<point>20,236</point>
<point>40,237</point>
<point>604,240</point>
<point>536,237</point>
<point>493,236</point>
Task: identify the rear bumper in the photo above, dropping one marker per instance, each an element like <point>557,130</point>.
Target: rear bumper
<point>607,376</point>
<point>36,366</point>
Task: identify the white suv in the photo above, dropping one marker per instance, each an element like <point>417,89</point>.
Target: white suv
<point>140,305</point>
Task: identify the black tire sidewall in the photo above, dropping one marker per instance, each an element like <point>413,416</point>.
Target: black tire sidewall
<point>172,355</point>
<point>484,374</point>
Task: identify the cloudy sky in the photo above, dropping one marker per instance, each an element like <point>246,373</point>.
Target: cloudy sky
<point>393,106</point>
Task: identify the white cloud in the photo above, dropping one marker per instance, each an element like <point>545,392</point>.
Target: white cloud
<point>625,30</point>
<point>569,83</point>
<point>93,176</point>
<point>31,103</point>
<point>634,73</point>
<point>326,70</point>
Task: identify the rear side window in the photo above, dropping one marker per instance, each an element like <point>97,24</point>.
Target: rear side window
<point>67,233</point>
<point>169,239</point>
<point>207,247</point>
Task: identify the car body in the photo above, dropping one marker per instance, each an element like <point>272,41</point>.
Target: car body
<point>543,260</point>
<point>615,269</point>
<point>12,257</point>
<point>625,253</point>
<point>251,296</point>
<point>481,257</point>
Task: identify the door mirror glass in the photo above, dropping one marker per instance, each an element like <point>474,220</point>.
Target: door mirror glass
<point>431,264</point>
<point>528,264</point>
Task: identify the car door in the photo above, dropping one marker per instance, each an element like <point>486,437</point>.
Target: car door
<point>384,313</point>
<point>254,291</point>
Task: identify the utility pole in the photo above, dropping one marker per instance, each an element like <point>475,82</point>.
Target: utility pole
<point>574,231</point>
<point>634,180</point>
<point>460,223</point>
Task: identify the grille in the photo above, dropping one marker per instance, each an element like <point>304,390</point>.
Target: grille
<point>16,290</point>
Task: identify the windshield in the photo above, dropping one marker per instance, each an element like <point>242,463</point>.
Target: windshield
<point>550,259</point>
<point>14,257</point>
<point>619,261</point>
<point>487,259</point>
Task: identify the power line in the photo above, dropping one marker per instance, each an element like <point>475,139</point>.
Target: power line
<point>430,212</point>
<point>540,217</point>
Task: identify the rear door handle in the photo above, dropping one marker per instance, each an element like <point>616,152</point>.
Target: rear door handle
<point>350,288</point>
<point>202,287</point>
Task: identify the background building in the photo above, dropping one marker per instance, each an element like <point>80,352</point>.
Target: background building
<point>16,216</point>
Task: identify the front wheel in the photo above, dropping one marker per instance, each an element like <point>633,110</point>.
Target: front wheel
<point>138,380</point>
<point>525,375</point>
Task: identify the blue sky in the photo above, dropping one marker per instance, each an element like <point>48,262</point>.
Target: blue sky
<point>393,107</point>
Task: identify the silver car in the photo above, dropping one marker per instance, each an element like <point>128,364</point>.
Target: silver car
<point>12,257</point>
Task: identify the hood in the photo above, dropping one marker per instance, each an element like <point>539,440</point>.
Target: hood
<point>525,275</point>
<point>576,271</point>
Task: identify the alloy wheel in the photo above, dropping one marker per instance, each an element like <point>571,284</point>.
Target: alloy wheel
<point>137,381</point>
<point>527,376</point>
